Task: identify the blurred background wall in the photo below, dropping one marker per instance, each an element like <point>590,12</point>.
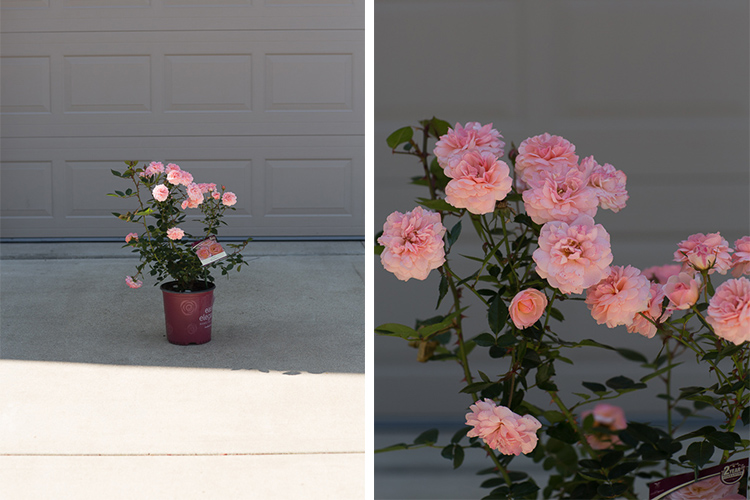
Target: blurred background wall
<point>657,89</point>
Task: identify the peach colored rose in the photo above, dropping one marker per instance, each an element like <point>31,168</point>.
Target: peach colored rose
<point>216,195</point>
<point>741,257</point>
<point>172,166</point>
<point>729,310</point>
<point>133,283</point>
<point>560,194</point>
<point>131,236</point>
<point>527,307</point>
<point>660,274</point>
<point>617,298</point>
<point>608,183</point>
<point>175,233</point>
<point>683,290</point>
<point>543,152</point>
<point>152,169</point>
<point>479,181</point>
<point>413,243</point>
<point>573,257</point>
<point>711,488</point>
<point>705,251</point>
<point>609,417</point>
<point>502,430</point>
<point>654,312</point>
<point>472,137</point>
<point>195,193</point>
<point>229,198</point>
<point>160,192</point>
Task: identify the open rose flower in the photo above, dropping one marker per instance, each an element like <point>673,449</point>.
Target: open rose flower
<point>543,152</point>
<point>573,257</point>
<point>413,243</point>
<point>502,430</point>
<point>609,417</point>
<point>229,198</point>
<point>160,192</point>
<point>461,140</point>
<point>153,168</point>
<point>729,310</point>
<point>660,274</point>
<point>133,283</point>
<point>560,194</point>
<point>131,236</point>
<point>175,233</point>
<point>527,307</point>
<point>741,257</point>
<point>654,313</point>
<point>479,181</point>
<point>705,251</point>
<point>608,183</point>
<point>711,488</point>
<point>683,290</point>
<point>619,296</point>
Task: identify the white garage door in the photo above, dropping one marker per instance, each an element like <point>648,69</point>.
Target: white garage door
<point>263,96</point>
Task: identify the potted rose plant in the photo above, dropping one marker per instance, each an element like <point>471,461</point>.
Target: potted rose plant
<point>540,246</point>
<point>181,262</point>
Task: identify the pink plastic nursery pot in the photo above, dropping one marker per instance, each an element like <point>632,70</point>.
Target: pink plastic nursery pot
<point>188,314</point>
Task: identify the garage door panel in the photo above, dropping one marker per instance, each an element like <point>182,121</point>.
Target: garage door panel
<point>301,186</point>
<point>95,84</point>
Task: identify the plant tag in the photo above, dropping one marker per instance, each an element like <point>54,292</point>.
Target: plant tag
<point>209,250</point>
<point>723,481</point>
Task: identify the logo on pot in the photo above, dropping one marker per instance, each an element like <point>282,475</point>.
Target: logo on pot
<point>732,473</point>
<point>189,307</point>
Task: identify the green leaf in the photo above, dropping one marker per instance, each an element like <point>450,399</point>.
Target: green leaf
<point>700,453</point>
<point>659,372</point>
<point>484,339</point>
<point>724,440</point>
<point>400,136</point>
<point>621,383</point>
<point>458,456</point>
<point>454,233</point>
<point>594,387</point>
<point>632,355</point>
<point>553,417</point>
<point>437,205</point>
<point>396,330</point>
<point>400,446</point>
<point>429,436</point>
<point>497,314</point>
<point>460,434</point>
<point>437,127</point>
<point>564,432</point>
<point>613,490</point>
<point>442,289</point>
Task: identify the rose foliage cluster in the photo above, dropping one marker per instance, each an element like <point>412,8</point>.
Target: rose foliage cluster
<point>540,244</point>
<point>164,194</point>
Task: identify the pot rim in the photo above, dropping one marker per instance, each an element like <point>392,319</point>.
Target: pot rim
<point>211,287</point>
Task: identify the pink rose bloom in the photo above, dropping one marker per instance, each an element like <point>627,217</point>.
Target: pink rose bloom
<point>527,307</point>
<point>132,283</point>
<point>174,177</point>
<point>543,152</point>
<point>619,296</point>
<point>479,180</point>
<point>608,183</point>
<point>131,236</point>
<point>194,193</point>
<point>171,167</point>
<point>153,168</point>
<point>229,198</point>
<point>160,192</point>
<point>729,310</point>
<point>175,233</point>
<point>644,326</point>
<point>573,257</point>
<point>711,488</point>
<point>705,251</point>
<point>215,195</point>
<point>413,243</point>
<point>501,429</point>
<point>683,291</point>
<point>741,257</point>
<point>609,417</point>
<point>461,140</point>
<point>660,274</point>
<point>560,195</point>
